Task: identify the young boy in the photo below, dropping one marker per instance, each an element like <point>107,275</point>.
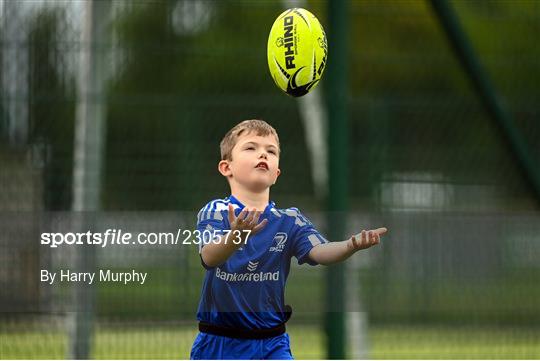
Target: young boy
<point>247,252</point>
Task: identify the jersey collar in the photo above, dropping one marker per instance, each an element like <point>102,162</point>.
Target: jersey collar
<point>234,200</point>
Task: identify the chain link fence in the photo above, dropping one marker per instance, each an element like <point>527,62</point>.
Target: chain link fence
<point>457,276</point>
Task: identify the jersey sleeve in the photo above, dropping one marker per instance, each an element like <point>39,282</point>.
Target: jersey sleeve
<point>212,217</point>
<point>306,236</point>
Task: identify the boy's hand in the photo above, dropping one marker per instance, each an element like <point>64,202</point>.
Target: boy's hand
<point>246,220</point>
<point>366,239</point>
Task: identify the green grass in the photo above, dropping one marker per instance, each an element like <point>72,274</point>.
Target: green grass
<point>455,343</point>
<point>387,342</point>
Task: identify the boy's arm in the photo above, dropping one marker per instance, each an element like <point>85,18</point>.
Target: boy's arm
<point>333,252</point>
<point>219,250</point>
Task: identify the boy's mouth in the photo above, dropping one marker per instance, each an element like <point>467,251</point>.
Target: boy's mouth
<point>262,165</point>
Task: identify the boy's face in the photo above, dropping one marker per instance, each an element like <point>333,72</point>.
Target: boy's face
<point>255,162</point>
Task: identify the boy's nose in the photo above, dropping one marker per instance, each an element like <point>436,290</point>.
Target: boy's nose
<point>263,155</point>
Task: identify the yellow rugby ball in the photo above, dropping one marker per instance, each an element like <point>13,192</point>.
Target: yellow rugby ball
<point>297,51</point>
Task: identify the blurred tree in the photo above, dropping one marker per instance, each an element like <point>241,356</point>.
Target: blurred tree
<point>176,93</point>
<point>3,120</point>
<point>51,105</point>
<point>412,108</point>
<point>189,70</point>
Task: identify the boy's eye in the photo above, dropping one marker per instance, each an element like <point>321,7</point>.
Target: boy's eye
<point>250,148</point>
<point>272,151</point>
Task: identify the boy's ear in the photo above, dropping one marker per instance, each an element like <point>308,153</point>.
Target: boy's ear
<point>277,175</point>
<point>224,168</point>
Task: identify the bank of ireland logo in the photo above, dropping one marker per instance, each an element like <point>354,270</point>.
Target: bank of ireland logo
<point>279,242</point>
<point>252,266</point>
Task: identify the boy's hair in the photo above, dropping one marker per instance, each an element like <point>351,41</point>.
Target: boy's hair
<point>260,127</point>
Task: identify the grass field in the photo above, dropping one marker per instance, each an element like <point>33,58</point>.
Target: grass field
<point>387,342</point>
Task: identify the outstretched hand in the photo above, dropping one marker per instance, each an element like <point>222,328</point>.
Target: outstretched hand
<point>247,220</point>
<point>366,239</point>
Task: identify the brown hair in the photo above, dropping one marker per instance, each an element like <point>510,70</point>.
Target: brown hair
<point>260,127</point>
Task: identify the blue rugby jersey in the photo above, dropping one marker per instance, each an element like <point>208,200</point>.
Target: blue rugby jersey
<point>248,290</point>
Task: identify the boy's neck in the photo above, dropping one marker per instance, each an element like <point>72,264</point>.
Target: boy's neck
<point>252,199</point>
